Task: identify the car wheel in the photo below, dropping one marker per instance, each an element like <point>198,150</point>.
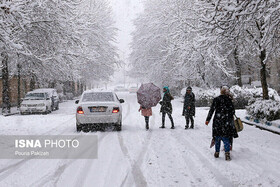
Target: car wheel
<point>57,107</point>
<point>78,127</point>
<point>118,126</point>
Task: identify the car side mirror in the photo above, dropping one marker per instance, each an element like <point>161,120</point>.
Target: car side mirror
<point>48,98</point>
<point>77,101</point>
<point>121,101</point>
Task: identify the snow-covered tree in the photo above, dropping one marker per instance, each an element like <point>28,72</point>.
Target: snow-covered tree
<point>255,23</point>
<point>58,41</point>
<point>13,18</point>
<point>166,46</point>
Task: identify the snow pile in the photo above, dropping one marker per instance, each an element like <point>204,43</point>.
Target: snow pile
<point>241,95</point>
<point>249,93</point>
<point>264,109</point>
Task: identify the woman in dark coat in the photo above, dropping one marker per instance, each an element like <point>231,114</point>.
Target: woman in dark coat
<point>166,107</point>
<point>189,107</point>
<point>222,124</point>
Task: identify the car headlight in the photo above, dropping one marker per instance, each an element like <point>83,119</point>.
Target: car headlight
<point>41,104</point>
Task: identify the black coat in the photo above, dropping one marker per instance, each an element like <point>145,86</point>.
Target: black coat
<point>189,101</point>
<point>223,120</point>
<point>166,106</point>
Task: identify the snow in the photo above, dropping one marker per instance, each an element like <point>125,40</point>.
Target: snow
<point>136,157</point>
<point>237,91</point>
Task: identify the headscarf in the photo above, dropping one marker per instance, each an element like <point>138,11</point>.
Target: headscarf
<point>167,89</point>
<point>189,88</point>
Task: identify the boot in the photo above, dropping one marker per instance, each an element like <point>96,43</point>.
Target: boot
<point>187,126</point>
<point>227,156</point>
<point>162,127</point>
<point>147,127</point>
<point>191,126</point>
<point>172,127</point>
<point>216,155</point>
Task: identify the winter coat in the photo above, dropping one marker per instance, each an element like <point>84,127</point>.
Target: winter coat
<point>166,106</point>
<point>146,111</point>
<point>223,120</point>
<point>189,101</point>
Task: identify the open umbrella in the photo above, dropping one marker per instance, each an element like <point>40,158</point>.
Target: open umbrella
<point>148,95</point>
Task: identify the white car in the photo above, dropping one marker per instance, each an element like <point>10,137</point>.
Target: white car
<point>36,102</point>
<point>97,110</point>
<point>53,95</point>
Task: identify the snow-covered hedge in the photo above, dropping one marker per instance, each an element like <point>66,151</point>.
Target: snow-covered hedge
<point>204,97</point>
<point>264,109</point>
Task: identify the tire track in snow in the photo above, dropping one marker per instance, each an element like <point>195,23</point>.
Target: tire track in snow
<point>8,170</point>
<point>223,180</point>
<point>137,174</point>
<point>56,176</point>
<point>81,177</point>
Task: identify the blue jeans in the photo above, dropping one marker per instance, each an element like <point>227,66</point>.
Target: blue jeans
<point>218,143</point>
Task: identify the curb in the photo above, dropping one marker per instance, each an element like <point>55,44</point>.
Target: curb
<point>261,126</point>
<point>10,114</point>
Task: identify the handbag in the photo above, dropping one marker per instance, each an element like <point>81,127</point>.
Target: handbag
<point>238,124</point>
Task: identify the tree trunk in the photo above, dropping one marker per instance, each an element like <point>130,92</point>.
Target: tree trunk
<point>32,82</point>
<point>263,75</point>
<point>18,86</point>
<point>238,68</point>
<point>82,88</point>
<point>6,105</point>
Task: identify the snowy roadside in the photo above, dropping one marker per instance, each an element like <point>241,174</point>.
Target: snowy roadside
<point>14,110</point>
<point>273,127</point>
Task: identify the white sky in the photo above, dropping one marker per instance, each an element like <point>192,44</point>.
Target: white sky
<point>125,11</point>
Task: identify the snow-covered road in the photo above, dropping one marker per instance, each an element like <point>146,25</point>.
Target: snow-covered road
<point>136,157</point>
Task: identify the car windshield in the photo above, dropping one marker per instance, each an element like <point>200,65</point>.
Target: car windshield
<point>35,96</point>
<point>98,96</point>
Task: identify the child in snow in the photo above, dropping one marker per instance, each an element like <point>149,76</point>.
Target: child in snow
<point>146,112</point>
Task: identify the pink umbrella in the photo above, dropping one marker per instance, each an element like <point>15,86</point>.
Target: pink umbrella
<point>148,95</point>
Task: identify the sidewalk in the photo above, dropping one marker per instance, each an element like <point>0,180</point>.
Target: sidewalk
<point>14,110</point>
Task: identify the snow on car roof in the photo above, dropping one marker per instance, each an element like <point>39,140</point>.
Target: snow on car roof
<point>38,91</point>
<point>45,89</point>
<point>99,90</point>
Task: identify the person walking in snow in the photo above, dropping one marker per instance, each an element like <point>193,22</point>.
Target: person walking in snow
<point>222,123</point>
<point>189,107</point>
<point>166,107</point>
<point>146,112</point>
